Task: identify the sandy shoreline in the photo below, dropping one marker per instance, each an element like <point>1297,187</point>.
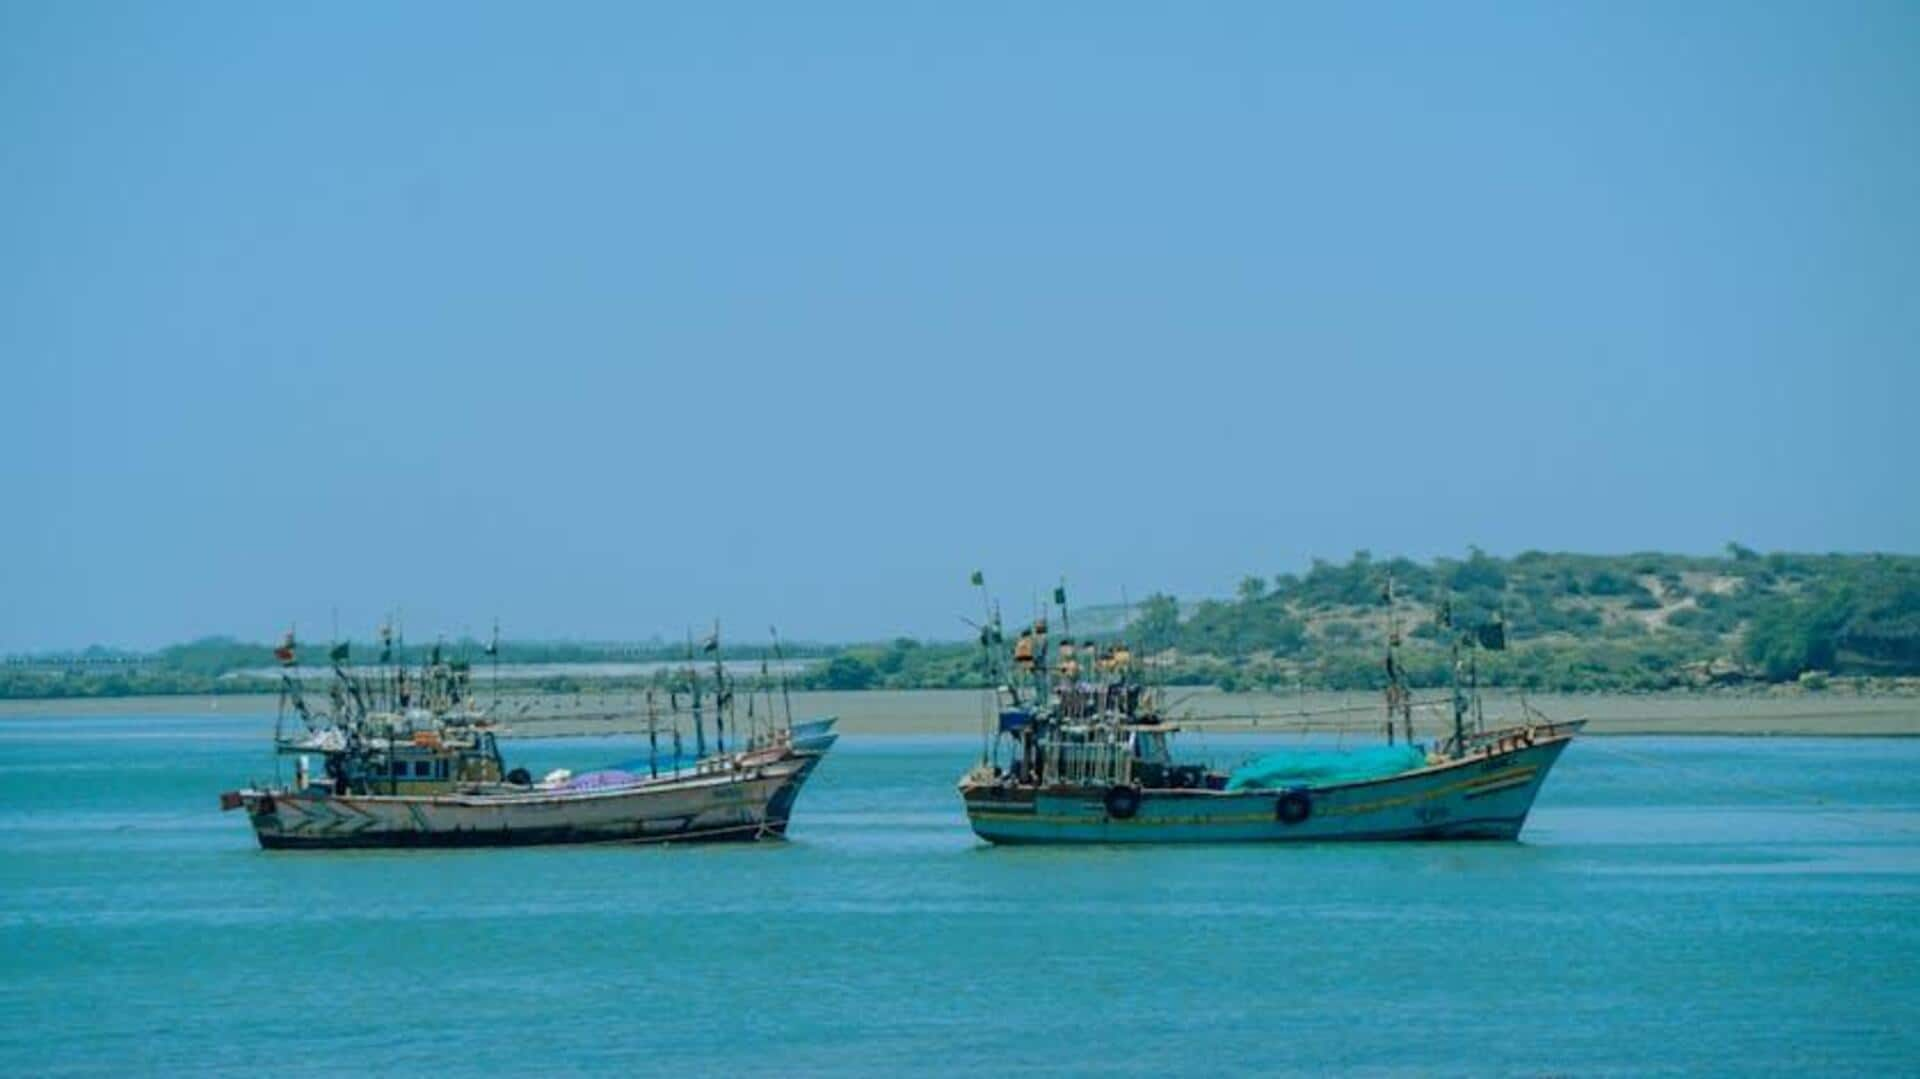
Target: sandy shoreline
<point>898,712</point>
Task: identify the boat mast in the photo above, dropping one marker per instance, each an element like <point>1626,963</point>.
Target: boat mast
<point>780,659</point>
<point>766,686</point>
<point>991,698</point>
<point>1399,698</point>
<point>653,735</point>
<point>338,657</point>
<point>289,685</point>
<point>1445,620</point>
<point>699,724</point>
<point>1060,600</point>
<point>493,651</point>
<point>722,694</point>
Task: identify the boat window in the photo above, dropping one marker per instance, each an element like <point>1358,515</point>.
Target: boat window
<point>1151,746</point>
<point>422,768</point>
<point>399,769</point>
<point>440,769</point>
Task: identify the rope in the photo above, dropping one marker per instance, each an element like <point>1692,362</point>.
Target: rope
<point>1437,702</point>
<point>1759,788</point>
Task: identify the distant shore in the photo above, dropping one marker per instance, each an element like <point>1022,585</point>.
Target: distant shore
<point>960,711</point>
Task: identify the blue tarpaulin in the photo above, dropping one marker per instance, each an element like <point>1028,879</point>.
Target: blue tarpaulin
<point>1323,767</point>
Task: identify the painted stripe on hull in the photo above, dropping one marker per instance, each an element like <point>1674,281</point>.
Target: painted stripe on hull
<point>742,805</point>
<point>528,838</point>
<point>1479,798</point>
<point>1486,828</point>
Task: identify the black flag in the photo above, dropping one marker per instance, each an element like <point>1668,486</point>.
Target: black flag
<point>1492,636</point>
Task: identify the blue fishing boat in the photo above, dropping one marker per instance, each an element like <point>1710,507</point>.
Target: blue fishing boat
<point>1081,753</point>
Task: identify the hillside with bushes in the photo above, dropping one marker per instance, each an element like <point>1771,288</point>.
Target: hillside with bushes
<point>1569,622</point>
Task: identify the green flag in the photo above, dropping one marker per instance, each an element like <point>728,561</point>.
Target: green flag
<point>979,578</point>
<point>339,653</point>
<point>1060,596</point>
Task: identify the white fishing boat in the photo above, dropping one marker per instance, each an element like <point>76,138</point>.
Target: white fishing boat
<point>415,762</point>
<point>739,796</point>
<point>1077,760</point>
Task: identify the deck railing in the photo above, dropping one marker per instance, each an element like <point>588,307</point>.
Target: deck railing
<point>1086,763</point>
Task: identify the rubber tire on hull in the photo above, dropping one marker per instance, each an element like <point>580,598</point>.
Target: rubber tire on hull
<point>1293,807</point>
<point>1122,802</point>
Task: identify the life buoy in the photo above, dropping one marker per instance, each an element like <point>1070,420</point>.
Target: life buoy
<point>1122,802</point>
<point>1292,807</point>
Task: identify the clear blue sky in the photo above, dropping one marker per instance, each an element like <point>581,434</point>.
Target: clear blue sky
<point>612,318</point>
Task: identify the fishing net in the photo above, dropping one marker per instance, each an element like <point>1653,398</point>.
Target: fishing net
<point>1323,767</point>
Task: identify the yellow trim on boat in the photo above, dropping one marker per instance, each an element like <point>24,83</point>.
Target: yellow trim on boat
<point>1505,777</point>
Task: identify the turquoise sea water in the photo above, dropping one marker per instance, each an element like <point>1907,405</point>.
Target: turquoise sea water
<point>1733,906</point>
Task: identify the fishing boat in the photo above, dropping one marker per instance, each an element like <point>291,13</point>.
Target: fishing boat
<point>1087,756</point>
<point>412,759</point>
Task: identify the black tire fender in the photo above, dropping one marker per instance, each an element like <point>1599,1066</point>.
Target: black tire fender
<point>1122,802</point>
<point>1293,807</point>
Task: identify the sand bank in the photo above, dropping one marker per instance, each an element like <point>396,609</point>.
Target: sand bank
<point>960,711</point>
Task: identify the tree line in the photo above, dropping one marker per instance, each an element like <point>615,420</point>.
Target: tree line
<point>1573,622</point>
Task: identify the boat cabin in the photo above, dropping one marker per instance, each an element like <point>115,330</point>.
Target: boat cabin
<point>426,762</point>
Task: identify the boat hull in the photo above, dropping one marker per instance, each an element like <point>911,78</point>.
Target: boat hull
<point>738,804</point>
<point>1486,796</point>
